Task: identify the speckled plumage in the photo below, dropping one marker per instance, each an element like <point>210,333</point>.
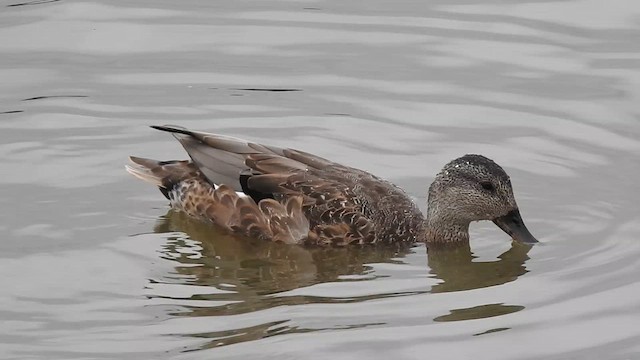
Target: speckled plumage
<point>294,197</point>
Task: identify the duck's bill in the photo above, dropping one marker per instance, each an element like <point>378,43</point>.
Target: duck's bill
<point>513,225</point>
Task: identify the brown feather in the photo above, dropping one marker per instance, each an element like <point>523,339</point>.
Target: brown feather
<point>314,200</point>
<point>273,164</point>
<point>308,159</point>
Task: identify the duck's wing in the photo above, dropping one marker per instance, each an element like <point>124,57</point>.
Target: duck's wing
<point>223,159</point>
<point>342,205</point>
<point>334,200</point>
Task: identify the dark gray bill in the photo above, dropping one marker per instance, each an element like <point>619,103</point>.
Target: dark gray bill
<point>513,225</point>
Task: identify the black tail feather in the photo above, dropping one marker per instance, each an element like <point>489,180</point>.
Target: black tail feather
<point>172,129</point>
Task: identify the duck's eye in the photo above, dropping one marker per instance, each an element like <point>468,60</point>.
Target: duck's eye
<point>488,185</point>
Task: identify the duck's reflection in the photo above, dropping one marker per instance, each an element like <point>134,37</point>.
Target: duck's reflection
<point>262,268</point>
<point>252,271</point>
<point>457,270</point>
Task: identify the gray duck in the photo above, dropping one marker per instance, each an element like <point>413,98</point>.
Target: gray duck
<point>290,196</point>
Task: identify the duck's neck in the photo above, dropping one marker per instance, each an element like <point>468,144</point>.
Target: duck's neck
<point>443,224</point>
<point>443,231</point>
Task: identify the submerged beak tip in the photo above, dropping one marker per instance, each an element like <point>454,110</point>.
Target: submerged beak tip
<point>531,240</point>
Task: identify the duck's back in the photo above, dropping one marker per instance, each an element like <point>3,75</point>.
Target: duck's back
<point>392,215</point>
<point>360,207</point>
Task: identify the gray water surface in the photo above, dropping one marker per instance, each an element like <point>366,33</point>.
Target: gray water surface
<point>93,264</point>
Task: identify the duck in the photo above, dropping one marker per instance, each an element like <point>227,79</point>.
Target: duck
<point>290,196</point>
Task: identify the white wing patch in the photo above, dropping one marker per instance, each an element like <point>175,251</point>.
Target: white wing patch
<point>239,193</point>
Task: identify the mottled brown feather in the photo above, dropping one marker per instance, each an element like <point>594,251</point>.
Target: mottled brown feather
<point>315,201</point>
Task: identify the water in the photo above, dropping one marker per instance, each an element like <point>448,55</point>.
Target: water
<point>94,266</point>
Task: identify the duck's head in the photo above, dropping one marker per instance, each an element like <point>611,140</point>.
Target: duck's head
<point>473,188</point>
